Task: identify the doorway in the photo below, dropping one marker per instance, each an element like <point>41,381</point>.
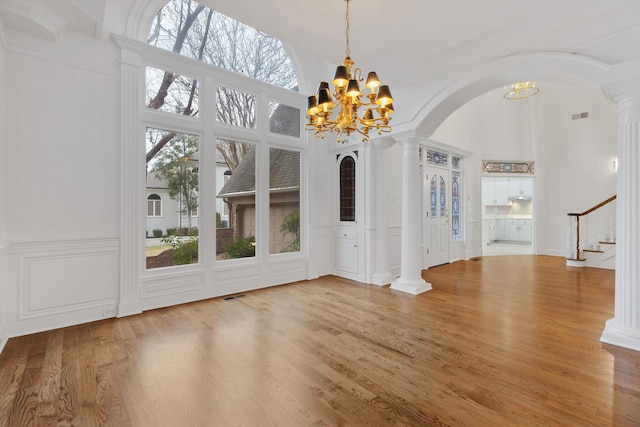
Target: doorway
<point>507,215</point>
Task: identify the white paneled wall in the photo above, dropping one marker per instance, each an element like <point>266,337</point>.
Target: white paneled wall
<point>57,283</point>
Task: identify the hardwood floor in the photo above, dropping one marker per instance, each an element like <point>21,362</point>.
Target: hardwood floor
<point>499,341</point>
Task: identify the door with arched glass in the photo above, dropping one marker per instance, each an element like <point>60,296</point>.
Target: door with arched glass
<point>436,216</point>
<point>348,248</point>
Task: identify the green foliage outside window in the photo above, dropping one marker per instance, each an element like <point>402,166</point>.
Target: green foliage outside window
<point>291,224</point>
<point>241,247</point>
<point>185,251</point>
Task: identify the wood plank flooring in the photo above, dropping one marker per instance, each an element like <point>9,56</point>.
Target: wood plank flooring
<point>499,341</point>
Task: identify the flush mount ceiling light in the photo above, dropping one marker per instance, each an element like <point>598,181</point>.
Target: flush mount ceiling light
<point>520,90</point>
<point>347,97</point>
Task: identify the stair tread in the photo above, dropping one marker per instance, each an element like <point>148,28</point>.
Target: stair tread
<point>593,250</point>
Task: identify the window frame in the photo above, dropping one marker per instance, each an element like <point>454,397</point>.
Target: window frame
<point>209,129</point>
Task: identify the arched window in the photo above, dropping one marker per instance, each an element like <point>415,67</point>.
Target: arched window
<point>154,205</point>
<point>208,95</point>
<point>348,189</point>
<point>195,31</point>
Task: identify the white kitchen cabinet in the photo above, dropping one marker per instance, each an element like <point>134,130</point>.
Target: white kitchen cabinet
<point>524,231</point>
<point>527,186</point>
<point>519,187</point>
<point>517,230</point>
<point>499,229</point>
<point>495,191</point>
<point>515,187</point>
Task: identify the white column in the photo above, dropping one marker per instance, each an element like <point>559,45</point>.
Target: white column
<point>410,279</point>
<point>380,238</point>
<point>624,329</point>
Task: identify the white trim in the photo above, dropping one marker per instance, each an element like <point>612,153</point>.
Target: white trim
<point>4,309</point>
<point>619,335</point>
<point>143,289</point>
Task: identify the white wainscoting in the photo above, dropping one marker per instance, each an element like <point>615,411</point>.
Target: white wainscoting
<point>324,250</point>
<point>472,244</point>
<point>60,283</point>
<point>395,249</point>
<point>4,315</point>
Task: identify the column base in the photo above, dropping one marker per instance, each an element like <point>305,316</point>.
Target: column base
<point>129,308</point>
<point>413,287</point>
<point>620,336</point>
<point>382,279</point>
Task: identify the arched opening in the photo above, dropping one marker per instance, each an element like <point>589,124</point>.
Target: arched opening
<point>620,85</point>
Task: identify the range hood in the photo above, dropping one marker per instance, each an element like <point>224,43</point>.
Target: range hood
<point>520,197</point>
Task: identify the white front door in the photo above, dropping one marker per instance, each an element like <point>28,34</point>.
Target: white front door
<point>436,202</point>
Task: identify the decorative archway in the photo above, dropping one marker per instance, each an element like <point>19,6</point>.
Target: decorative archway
<point>621,84</point>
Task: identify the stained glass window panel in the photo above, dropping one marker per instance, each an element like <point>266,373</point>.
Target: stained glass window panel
<point>434,197</point>
<point>443,198</point>
<point>348,189</point>
<point>456,233</point>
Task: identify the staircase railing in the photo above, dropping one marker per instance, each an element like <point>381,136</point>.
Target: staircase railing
<point>598,227</point>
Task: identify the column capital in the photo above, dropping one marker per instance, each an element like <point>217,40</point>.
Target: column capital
<point>381,144</point>
<point>626,93</point>
<point>411,136</point>
<point>628,100</point>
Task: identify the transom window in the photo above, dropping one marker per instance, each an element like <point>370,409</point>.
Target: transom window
<point>195,31</point>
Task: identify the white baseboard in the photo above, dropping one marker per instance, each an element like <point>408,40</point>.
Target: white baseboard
<point>3,342</point>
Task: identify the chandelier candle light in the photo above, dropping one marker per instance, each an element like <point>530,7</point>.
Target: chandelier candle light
<point>347,96</point>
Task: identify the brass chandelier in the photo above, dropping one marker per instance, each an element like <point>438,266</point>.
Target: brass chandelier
<point>347,96</point>
<point>520,90</point>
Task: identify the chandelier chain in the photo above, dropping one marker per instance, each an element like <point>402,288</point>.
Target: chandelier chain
<point>347,51</point>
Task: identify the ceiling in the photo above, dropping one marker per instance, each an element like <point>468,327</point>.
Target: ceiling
<point>408,42</point>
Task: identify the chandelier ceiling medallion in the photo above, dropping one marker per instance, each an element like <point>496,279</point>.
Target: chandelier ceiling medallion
<point>520,90</point>
<point>347,97</point>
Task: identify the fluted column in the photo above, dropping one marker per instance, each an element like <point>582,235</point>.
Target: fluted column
<point>410,279</point>
<point>624,329</point>
<point>381,273</point>
<point>132,178</point>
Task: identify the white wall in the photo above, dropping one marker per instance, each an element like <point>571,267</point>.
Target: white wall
<point>62,160</point>
<point>573,158</point>
<point>3,244</point>
<point>63,129</point>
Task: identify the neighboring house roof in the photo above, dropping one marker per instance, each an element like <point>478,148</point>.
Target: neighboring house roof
<point>284,173</point>
<point>156,181</point>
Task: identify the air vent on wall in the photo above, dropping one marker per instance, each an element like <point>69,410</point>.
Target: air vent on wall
<point>578,116</point>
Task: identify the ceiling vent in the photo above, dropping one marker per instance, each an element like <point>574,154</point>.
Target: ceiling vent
<point>578,116</point>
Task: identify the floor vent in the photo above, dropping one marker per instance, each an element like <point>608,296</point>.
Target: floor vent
<point>234,297</point>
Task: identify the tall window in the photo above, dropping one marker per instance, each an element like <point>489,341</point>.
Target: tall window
<point>284,201</point>
<point>174,168</point>
<point>232,109</point>
<point>348,189</point>
<point>239,194</point>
